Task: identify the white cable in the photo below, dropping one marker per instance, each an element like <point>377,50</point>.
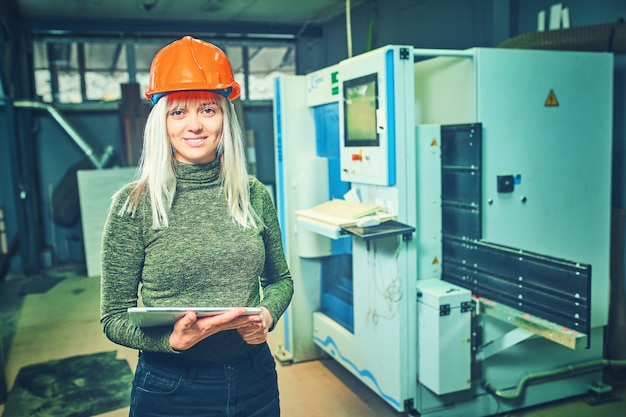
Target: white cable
<point>349,28</point>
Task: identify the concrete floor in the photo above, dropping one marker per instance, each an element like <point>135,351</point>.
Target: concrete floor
<point>63,322</point>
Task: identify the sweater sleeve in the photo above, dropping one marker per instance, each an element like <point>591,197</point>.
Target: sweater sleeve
<point>276,280</point>
<point>122,258</point>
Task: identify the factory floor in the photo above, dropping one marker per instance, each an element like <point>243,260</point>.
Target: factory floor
<point>62,322</point>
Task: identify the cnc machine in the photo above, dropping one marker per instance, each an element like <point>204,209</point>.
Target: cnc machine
<point>493,168</point>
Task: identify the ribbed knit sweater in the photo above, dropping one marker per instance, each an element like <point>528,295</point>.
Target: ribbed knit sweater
<point>202,259</point>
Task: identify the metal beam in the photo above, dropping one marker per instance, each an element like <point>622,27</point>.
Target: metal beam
<point>118,27</point>
<point>98,162</point>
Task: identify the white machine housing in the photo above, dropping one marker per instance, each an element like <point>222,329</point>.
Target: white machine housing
<point>546,120</point>
<point>444,313</point>
<point>383,269</point>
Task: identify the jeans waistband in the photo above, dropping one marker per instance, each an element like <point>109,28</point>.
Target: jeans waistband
<point>176,361</point>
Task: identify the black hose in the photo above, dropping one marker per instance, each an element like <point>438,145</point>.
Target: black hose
<point>608,37</point>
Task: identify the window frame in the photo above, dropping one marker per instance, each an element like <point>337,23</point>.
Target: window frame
<point>243,68</point>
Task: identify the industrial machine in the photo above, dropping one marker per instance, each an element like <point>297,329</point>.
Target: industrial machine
<point>482,285</point>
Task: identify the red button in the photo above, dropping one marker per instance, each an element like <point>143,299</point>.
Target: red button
<point>356,157</point>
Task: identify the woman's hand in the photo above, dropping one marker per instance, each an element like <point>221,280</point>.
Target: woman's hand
<point>189,330</point>
<point>255,332</point>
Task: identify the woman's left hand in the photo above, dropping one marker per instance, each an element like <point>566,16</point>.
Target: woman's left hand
<point>256,333</point>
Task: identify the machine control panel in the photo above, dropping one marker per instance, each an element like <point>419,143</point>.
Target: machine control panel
<point>374,88</point>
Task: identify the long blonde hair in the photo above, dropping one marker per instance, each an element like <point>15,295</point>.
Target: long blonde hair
<point>155,172</point>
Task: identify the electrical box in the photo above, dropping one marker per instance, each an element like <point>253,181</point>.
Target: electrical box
<point>444,313</point>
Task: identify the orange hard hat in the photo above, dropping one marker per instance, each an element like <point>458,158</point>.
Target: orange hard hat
<point>190,64</point>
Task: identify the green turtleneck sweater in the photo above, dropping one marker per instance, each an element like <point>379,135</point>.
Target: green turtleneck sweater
<point>202,259</point>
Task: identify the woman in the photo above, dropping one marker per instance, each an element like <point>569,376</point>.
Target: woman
<point>195,230</point>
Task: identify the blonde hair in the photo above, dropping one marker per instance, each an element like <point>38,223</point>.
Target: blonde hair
<point>155,172</point>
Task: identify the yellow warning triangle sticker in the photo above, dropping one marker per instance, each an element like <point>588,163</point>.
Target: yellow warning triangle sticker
<point>551,101</point>
<point>434,143</point>
<point>435,261</point>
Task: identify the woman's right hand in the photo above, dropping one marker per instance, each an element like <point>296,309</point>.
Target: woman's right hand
<point>189,330</point>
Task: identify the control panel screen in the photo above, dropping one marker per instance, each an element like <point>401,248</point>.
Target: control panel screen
<point>360,104</point>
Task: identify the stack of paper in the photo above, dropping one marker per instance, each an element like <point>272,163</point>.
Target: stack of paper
<point>342,213</point>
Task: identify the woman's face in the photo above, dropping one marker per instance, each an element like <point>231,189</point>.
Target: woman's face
<point>194,127</point>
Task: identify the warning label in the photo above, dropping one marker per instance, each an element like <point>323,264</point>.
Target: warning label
<point>551,101</point>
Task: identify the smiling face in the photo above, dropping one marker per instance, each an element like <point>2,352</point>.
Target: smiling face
<point>194,126</point>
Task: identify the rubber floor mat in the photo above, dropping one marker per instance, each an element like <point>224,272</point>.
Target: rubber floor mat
<point>80,386</point>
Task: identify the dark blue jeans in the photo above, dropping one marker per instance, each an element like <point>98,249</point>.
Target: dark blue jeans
<point>244,387</point>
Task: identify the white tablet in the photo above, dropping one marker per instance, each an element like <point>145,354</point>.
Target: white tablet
<point>161,316</point>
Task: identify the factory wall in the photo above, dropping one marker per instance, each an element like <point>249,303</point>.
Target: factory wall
<point>59,159</point>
